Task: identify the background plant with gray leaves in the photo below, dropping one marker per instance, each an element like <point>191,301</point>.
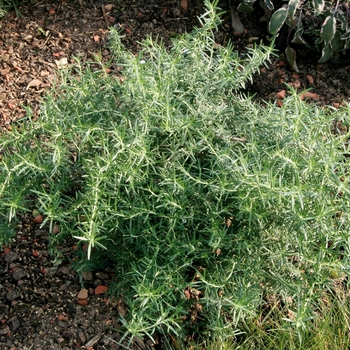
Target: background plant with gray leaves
<point>320,25</point>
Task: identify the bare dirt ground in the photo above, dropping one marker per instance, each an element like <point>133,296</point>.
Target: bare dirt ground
<point>45,303</point>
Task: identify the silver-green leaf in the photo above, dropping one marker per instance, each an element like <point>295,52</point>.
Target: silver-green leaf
<point>236,22</point>
<point>244,7</point>
<point>318,6</point>
<point>277,20</point>
<point>336,42</point>
<point>291,58</point>
<point>328,28</point>
<point>292,7</point>
<point>268,4</point>
<point>297,39</point>
<point>326,54</point>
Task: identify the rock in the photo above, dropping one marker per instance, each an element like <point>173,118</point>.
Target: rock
<point>61,324</point>
<point>184,4</point>
<point>93,341</point>
<point>36,83</point>
<point>87,275</point>
<point>61,62</point>
<point>108,7</point>
<point>4,330</point>
<point>12,295</point>
<point>97,282</point>
<point>62,317</point>
<point>81,336</point>
<point>101,290</point>
<point>310,79</point>
<point>83,302</point>
<point>18,274</point>
<point>10,257</point>
<point>281,94</point>
<point>102,275</point>
<point>83,294</point>
<point>63,287</point>
<point>176,12</point>
<point>14,323</point>
<point>65,270</point>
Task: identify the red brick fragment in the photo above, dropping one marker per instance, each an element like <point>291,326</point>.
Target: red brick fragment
<point>101,289</point>
<point>310,79</point>
<point>281,94</point>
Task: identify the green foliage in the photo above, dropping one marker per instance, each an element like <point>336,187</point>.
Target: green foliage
<point>330,325</point>
<point>320,25</point>
<point>6,5</point>
<point>204,202</point>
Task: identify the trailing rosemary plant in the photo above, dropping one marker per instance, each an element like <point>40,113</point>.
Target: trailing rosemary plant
<point>205,203</point>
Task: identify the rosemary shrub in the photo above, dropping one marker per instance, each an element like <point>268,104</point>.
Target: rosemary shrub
<point>204,202</point>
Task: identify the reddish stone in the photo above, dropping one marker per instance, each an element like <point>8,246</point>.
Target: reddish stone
<point>6,250</point>
<point>281,94</point>
<point>83,302</point>
<point>100,289</point>
<point>62,317</point>
<point>310,95</point>
<point>38,219</point>
<point>310,79</point>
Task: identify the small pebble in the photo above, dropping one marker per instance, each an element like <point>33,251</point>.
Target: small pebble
<point>18,274</point>
<point>83,294</point>
<point>4,330</point>
<point>14,323</point>
<point>12,295</point>
<point>87,275</point>
<point>102,275</point>
<point>62,324</point>
<point>10,257</point>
